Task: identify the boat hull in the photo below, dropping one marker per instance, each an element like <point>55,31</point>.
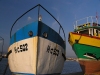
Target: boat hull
<point>38,54</point>
<point>81,50</point>
<point>90,66</point>
<point>87,50</point>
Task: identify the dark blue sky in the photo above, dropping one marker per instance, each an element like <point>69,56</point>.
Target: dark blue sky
<point>65,11</point>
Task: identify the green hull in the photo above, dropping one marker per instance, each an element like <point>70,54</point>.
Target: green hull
<point>81,49</point>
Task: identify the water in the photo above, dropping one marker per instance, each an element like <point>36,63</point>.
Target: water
<point>3,65</point>
<point>69,67</point>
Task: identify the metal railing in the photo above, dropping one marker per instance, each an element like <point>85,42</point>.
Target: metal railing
<point>90,19</point>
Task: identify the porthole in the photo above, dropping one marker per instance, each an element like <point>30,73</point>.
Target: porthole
<point>45,35</point>
<point>30,33</point>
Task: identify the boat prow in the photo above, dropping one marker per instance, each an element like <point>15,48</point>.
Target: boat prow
<point>36,49</point>
<point>85,41</point>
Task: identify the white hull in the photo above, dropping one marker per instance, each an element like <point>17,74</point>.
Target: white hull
<point>41,56</point>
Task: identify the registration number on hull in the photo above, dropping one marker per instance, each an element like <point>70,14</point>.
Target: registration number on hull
<point>53,51</point>
<point>21,48</point>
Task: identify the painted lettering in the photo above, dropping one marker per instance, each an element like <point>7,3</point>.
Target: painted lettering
<point>21,48</point>
<point>52,51</point>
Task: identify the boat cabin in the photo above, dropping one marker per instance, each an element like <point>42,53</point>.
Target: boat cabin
<point>91,29</point>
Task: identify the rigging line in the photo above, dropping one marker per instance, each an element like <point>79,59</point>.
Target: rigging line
<point>55,19</point>
<point>58,23</point>
<point>6,69</point>
<point>21,17</point>
<point>7,63</point>
<point>30,10</point>
<point>38,16</point>
<point>59,30</point>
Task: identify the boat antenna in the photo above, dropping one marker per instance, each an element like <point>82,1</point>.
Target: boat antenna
<point>97,17</point>
<point>75,22</point>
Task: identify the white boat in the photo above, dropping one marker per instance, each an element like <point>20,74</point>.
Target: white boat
<point>36,49</point>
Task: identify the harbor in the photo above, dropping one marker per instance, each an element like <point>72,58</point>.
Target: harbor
<point>50,37</point>
<point>70,68</point>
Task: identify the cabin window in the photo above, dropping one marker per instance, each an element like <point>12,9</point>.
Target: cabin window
<point>84,32</point>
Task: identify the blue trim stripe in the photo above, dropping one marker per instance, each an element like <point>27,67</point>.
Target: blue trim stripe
<point>22,74</point>
<point>38,28</point>
<point>23,32</point>
<point>52,35</point>
<point>35,74</point>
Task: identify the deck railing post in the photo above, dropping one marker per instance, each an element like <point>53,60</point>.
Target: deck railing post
<point>97,20</point>
<point>91,19</point>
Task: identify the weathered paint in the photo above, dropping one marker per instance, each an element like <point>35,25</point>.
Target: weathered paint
<point>23,33</point>
<point>23,61</point>
<point>81,49</point>
<point>36,58</point>
<point>84,39</point>
<point>90,67</point>
<point>48,61</point>
<point>38,28</point>
<point>86,44</point>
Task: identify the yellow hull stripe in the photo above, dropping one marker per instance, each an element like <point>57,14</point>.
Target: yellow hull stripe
<point>84,39</point>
